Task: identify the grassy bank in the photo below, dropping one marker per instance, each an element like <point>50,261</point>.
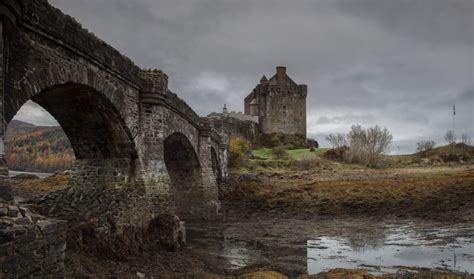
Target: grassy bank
<point>295,154</point>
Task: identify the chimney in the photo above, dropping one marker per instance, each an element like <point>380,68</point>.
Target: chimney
<point>281,72</point>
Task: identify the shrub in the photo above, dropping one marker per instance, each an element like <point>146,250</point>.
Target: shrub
<point>337,140</point>
<point>279,153</point>
<point>425,145</point>
<point>312,144</point>
<point>239,149</point>
<point>366,145</point>
<point>279,139</point>
<point>466,139</point>
<point>450,137</point>
<point>336,154</point>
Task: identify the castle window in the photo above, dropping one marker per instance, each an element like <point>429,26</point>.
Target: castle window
<point>285,110</point>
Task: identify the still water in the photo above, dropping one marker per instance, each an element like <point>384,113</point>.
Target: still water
<point>401,247</point>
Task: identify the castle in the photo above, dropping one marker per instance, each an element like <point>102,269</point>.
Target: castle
<point>275,105</point>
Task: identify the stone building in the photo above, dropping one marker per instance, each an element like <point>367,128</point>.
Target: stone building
<point>275,105</point>
<point>279,103</point>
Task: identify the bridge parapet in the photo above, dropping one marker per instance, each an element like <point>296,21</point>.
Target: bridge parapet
<point>40,17</point>
<point>155,92</point>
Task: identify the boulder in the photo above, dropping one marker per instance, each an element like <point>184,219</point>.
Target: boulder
<point>168,230</point>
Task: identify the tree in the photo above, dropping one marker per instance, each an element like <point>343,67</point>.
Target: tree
<point>337,140</point>
<point>450,137</point>
<point>425,145</point>
<point>238,151</point>
<point>466,139</point>
<point>366,145</point>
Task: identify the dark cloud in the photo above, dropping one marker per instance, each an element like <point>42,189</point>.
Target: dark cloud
<point>400,64</point>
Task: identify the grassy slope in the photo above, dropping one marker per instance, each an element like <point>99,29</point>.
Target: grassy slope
<point>296,154</point>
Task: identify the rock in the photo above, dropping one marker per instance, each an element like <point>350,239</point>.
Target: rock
<point>5,190</point>
<point>168,230</point>
<point>263,275</point>
<point>249,177</point>
<point>140,275</point>
<point>12,211</point>
<point>3,211</point>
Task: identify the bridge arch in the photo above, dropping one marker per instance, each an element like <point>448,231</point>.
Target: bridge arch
<point>185,172</point>
<point>91,122</point>
<point>102,142</point>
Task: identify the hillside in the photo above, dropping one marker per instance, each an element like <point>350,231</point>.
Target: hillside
<point>37,148</point>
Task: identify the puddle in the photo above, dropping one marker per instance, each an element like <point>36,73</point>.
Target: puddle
<point>378,246</point>
<point>402,247</point>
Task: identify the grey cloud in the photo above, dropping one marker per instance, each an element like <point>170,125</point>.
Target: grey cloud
<point>404,62</point>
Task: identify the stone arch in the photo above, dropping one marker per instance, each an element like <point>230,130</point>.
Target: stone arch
<point>47,77</point>
<point>184,170</point>
<point>102,142</point>
<point>93,125</point>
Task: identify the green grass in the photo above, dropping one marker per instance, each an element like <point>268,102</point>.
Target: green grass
<point>264,153</point>
<point>296,154</point>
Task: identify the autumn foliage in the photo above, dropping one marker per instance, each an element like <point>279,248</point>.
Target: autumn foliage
<point>36,148</point>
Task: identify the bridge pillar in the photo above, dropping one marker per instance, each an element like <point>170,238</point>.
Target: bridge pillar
<point>208,176</point>
<point>30,245</point>
<point>6,196</point>
<point>150,143</point>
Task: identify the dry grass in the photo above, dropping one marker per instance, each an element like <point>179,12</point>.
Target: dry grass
<point>36,187</point>
<point>418,192</point>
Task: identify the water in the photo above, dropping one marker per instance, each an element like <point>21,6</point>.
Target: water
<point>401,247</point>
<point>314,246</point>
<point>39,174</point>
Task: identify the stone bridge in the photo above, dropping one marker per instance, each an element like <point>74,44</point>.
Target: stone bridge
<point>126,127</point>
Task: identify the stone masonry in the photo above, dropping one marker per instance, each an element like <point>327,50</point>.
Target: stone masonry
<point>125,126</point>
<point>276,105</point>
<point>279,103</point>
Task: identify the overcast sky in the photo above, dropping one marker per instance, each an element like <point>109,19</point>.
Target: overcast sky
<point>397,63</point>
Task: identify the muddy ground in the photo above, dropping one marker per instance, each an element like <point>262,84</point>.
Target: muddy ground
<point>268,219</point>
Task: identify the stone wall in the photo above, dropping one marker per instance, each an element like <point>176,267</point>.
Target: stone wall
<point>117,118</point>
<point>30,246</point>
<point>234,127</point>
<point>176,149</point>
<point>280,104</point>
<point>115,173</point>
<point>106,223</point>
<point>40,16</point>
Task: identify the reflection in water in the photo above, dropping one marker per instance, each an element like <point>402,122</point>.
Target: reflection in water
<point>402,247</point>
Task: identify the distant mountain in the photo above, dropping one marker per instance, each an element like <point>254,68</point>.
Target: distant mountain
<point>37,148</point>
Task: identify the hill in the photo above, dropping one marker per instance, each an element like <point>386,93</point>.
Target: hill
<point>37,148</point>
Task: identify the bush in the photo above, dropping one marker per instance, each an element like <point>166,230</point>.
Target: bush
<point>425,145</point>
<point>239,149</point>
<point>337,140</point>
<point>450,137</point>
<point>279,153</point>
<point>366,145</point>
<point>336,154</point>
<point>279,139</point>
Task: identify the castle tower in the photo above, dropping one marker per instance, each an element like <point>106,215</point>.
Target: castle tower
<point>279,103</point>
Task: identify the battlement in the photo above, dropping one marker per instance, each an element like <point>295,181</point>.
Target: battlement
<point>154,81</point>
